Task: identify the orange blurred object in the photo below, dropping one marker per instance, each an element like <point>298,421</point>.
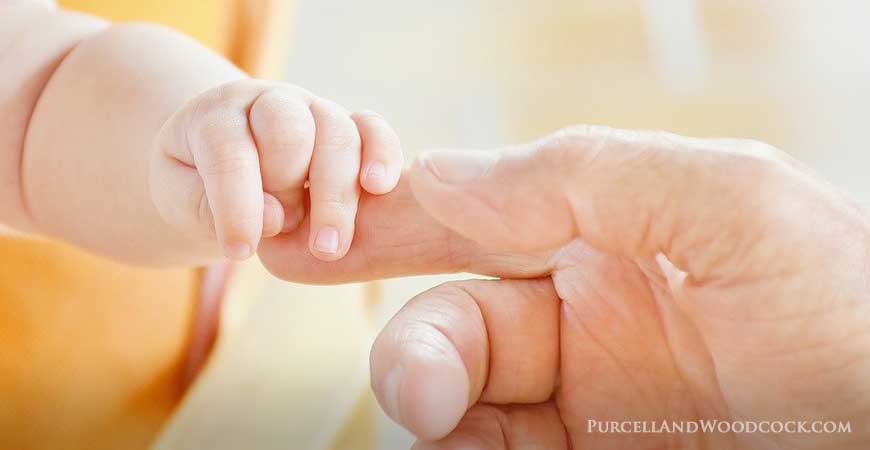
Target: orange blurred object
<point>93,353</point>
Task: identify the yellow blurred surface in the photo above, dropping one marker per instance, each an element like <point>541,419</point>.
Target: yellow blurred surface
<point>209,21</point>
<point>71,320</point>
<point>290,368</point>
<point>66,328</point>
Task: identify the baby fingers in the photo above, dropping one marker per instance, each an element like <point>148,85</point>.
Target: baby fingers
<point>334,181</point>
<point>382,159</point>
<point>350,151</point>
<point>234,163</point>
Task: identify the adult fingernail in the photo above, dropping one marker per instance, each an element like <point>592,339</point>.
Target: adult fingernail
<point>391,388</point>
<point>326,240</point>
<point>458,166</point>
<point>376,171</point>
<point>238,250</point>
<point>440,400</point>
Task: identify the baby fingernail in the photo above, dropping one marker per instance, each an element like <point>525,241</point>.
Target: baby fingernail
<point>377,170</point>
<point>237,250</point>
<point>326,240</point>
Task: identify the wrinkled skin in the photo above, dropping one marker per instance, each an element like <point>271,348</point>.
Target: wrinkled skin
<point>642,276</point>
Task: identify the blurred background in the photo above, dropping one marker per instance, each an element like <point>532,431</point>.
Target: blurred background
<point>483,73</point>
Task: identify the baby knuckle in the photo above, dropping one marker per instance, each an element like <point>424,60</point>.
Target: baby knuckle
<point>214,122</point>
<point>340,137</point>
<point>226,160</point>
<point>367,115</point>
<point>387,141</point>
<point>266,110</point>
<point>334,126</point>
<point>332,199</point>
<point>282,122</point>
<point>273,107</point>
<point>235,90</point>
<point>211,99</point>
<point>223,106</point>
<point>241,222</point>
<point>213,131</point>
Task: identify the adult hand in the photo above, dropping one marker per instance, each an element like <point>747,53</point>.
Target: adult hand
<point>678,279</point>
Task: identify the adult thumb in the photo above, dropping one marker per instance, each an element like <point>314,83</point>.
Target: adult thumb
<point>631,193</point>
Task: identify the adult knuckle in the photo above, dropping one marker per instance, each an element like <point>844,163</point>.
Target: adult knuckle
<point>488,417</point>
<point>423,336</point>
<point>758,148</point>
<point>569,137</point>
<point>575,149</point>
<point>559,148</point>
<point>756,163</point>
<point>437,309</point>
<point>204,214</point>
<point>750,154</point>
<point>766,191</point>
<point>453,289</point>
<point>461,291</point>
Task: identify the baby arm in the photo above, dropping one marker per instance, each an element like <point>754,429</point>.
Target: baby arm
<point>136,142</point>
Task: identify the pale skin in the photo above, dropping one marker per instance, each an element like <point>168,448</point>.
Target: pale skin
<point>135,142</point>
<point>642,276</point>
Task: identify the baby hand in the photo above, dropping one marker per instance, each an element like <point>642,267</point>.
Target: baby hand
<point>235,162</point>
